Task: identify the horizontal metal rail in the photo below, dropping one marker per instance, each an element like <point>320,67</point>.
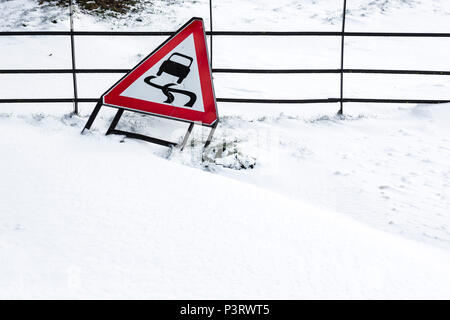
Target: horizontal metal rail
<point>331,100</point>
<point>231,33</point>
<point>234,70</point>
<point>397,34</point>
<point>278,101</point>
<point>48,100</point>
<point>227,70</point>
<point>47,71</point>
<point>367,71</point>
<point>386,71</point>
<point>412,101</point>
<point>239,100</point>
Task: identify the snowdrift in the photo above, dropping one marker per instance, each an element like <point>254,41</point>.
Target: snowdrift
<point>89,217</point>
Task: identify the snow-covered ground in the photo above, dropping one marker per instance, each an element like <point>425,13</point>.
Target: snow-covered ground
<point>91,217</point>
<point>352,207</point>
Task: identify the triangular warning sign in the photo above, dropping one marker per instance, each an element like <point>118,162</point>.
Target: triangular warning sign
<point>174,81</point>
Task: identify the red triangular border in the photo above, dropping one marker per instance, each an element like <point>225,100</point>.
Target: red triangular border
<point>194,26</point>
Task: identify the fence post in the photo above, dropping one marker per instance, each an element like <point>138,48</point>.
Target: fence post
<point>211,36</point>
<point>341,110</point>
<point>72,48</point>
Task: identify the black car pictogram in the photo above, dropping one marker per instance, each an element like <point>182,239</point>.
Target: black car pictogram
<point>175,68</point>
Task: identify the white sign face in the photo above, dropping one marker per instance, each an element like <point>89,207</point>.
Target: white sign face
<point>173,81</point>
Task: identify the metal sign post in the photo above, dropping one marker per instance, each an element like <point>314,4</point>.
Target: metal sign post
<point>211,36</point>
<point>74,74</point>
<point>341,110</point>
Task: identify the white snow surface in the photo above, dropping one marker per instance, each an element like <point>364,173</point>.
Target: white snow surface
<point>90,217</point>
<point>328,207</point>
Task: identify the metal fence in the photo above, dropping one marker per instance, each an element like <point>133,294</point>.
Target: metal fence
<point>342,34</point>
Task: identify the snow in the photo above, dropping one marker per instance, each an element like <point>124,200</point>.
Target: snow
<point>300,204</point>
<point>391,171</point>
<point>88,217</point>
